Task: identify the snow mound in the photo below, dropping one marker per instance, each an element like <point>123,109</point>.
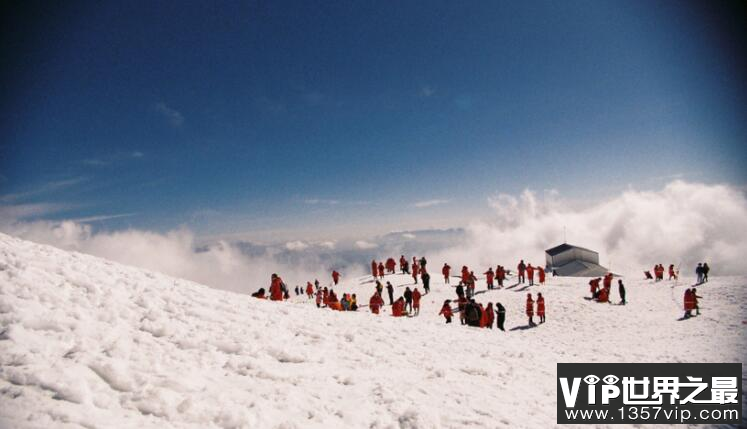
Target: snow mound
<point>89,343</point>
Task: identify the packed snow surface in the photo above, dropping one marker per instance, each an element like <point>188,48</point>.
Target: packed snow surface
<point>85,342</point>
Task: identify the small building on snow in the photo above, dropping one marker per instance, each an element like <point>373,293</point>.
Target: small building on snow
<point>573,261</point>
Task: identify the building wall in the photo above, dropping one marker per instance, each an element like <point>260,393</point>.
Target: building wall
<point>572,255</point>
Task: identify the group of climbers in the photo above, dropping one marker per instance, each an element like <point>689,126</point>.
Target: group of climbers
<point>603,293</point>
<point>701,271</point>
<point>540,308</point>
<point>527,271</point>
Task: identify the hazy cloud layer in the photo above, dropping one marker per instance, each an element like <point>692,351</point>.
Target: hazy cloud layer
<point>683,223</point>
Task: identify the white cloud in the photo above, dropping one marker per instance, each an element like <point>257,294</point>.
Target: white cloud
<point>296,245</point>
<point>362,244</point>
<point>409,236</point>
<point>683,223</point>
<point>173,116</point>
<point>327,244</point>
<point>429,203</point>
<point>316,201</point>
<point>44,189</point>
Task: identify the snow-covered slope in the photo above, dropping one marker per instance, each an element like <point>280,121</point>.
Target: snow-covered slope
<point>89,343</point>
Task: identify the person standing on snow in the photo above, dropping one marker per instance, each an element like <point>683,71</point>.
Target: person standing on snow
<point>379,287</point>
<point>621,289</point>
<point>402,264</point>
<point>706,268</point>
<point>416,301</point>
<point>490,315</point>
<point>541,307</point>
<point>689,304</point>
<point>374,269</point>
<point>381,270</point>
<point>541,274</point>
<point>375,303</point>
<point>309,290</point>
<point>521,268</point>
<point>426,282</point>
<point>594,286</point>
<point>471,284</point>
<point>465,275</point>
<point>422,263</point>
<point>335,277</point>
<point>500,274</point>
<point>695,296</point>
<point>530,274</point>
<point>460,290</point>
<point>276,288</point>
<point>501,315</point>
<point>446,311</point>
<point>318,298</point>
<point>489,274</point>
<point>530,310</point>
<point>699,273</point>
<point>408,300</point>
<point>445,271</point>
<point>390,291</point>
<point>672,273</point>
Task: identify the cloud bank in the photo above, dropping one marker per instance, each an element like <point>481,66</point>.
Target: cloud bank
<point>683,223</point>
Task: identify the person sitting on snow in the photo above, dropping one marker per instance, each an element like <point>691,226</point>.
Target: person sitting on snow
<point>472,314</point>
<point>398,309</point>
<point>260,293</point>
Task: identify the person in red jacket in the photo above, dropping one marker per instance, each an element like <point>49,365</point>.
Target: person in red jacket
<point>603,295</point>
<point>594,286</point>
<point>500,274</point>
<point>398,309</point>
<point>521,268</point>
<point>260,294</point>
<point>541,274</point>
<point>375,303</point>
<point>390,265</point>
<point>415,272</point>
<point>374,269</point>
<point>689,303</point>
<point>381,270</point>
<point>530,274</point>
<point>483,316</point>
<point>607,282</point>
<point>276,288</point>
<point>541,307</point>
<point>402,264</point>
<point>489,275</point>
<point>490,315</point>
<point>465,274</point>
<point>672,272</point>
<point>416,295</point>
<point>318,298</point>
<point>446,311</point>
<point>335,277</point>
<point>530,309</point>
<point>325,297</point>
<point>445,271</point>
<point>309,290</point>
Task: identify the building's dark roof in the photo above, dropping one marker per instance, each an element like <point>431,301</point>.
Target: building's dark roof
<point>580,269</point>
<point>563,247</point>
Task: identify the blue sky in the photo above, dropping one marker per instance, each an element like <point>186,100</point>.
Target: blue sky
<point>279,117</point>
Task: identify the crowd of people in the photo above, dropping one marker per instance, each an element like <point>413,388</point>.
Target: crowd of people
<point>471,312</point>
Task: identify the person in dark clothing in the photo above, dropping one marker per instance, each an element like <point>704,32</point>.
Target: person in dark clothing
<point>621,289</point>
<point>426,278</point>
<point>699,273</point>
<point>390,291</point>
<point>408,299</point>
<point>472,314</point>
<point>260,293</point>
<point>379,287</point>
<point>422,263</point>
<point>500,311</point>
<point>522,269</point>
<point>706,268</point>
<point>460,290</point>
